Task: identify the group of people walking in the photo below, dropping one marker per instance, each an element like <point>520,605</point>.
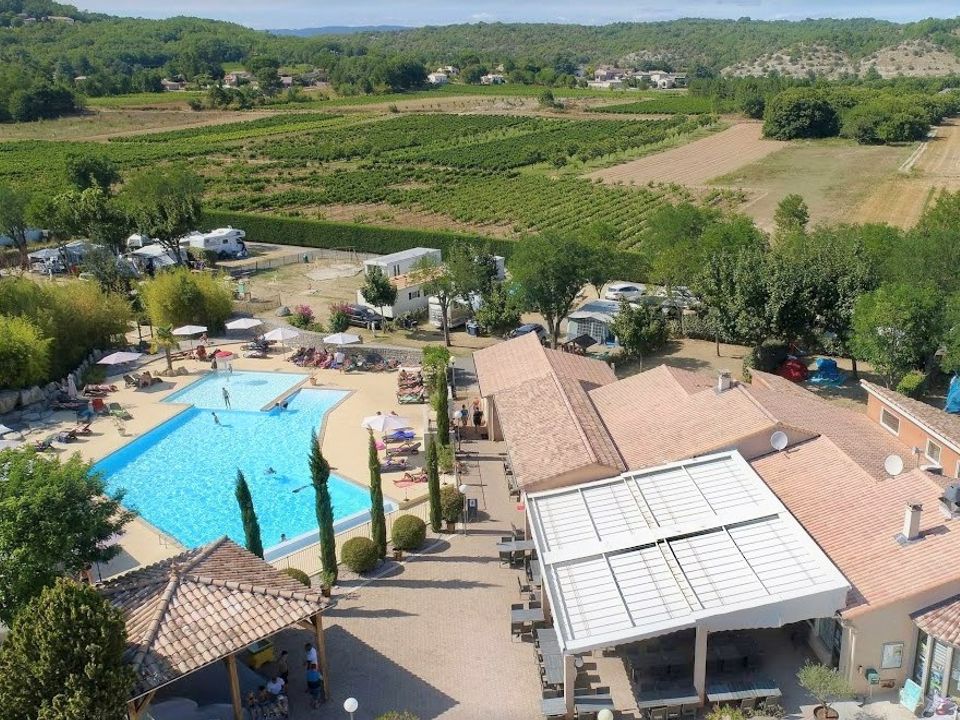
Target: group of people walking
<point>462,416</point>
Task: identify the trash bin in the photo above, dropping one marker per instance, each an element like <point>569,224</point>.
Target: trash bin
<point>473,328</point>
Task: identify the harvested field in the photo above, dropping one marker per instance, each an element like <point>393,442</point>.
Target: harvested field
<point>394,216</point>
<point>935,168</point>
<point>696,163</point>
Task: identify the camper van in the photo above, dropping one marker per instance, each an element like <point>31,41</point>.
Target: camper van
<point>225,242</point>
<point>137,241</point>
<point>458,312</point>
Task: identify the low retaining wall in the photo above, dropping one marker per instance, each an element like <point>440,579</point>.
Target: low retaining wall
<point>307,338</point>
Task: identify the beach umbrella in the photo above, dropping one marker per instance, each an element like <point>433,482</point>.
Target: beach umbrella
<point>341,339</point>
<point>223,354</point>
<point>119,358</point>
<point>71,388</point>
<point>244,324</point>
<point>385,423</point>
<point>187,330</point>
<point>4,429</point>
<point>281,334</point>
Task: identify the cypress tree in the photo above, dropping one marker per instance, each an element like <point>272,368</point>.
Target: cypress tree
<point>433,486</point>
<point>443,409</point>
<point>378,523</point>
<point>319,474</point>
<point>251,526</point>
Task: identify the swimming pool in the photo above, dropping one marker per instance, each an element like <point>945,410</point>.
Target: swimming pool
<point>180,476</point>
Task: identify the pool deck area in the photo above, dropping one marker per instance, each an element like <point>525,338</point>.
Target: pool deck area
<point>344,442</point>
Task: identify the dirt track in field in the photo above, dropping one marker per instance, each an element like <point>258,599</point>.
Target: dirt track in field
<point>935,169</point>
<point>696,163</point>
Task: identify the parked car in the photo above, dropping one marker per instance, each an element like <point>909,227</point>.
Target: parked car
<point>362,316</point>
<point>625,291</point>
<point>530,328</point>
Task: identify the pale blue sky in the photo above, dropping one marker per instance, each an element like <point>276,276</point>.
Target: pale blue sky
<point>311,13</point>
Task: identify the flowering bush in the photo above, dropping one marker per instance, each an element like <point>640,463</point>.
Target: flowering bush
<point>339,321</point>
<point>302,316</point>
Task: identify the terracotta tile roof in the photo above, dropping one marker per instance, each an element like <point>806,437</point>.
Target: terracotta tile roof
<point>665,414</point>
<point>552,429</point>
<point>854,517</point>
<point>941,620</point>
<point>518,361</point>
<point>941,422</point>
<point>198,607</point>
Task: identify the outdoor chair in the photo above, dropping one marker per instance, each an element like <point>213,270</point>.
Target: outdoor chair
<point>748,704</point>
<point>524,588</point>
<point>673,712</point>
<point>549,693</point>
<point>688,712</point>
<point>659,713</point>
<point>506,558</point>
<point>601,690</point>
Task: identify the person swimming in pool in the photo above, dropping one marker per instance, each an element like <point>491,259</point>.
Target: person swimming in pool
<point>269,471</point>
<point>216,420</point>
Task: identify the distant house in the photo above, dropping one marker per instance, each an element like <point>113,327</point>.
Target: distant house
<point>449,70</point>
<point>665,80</point>
<point>60,19</point>
<point>397,267</point>
<point>492,79</point>
<point>606,84</point>
<point>237,78</point>
<point>608,72</point>
<point>933,434</point>
<point>438,78</point>
<point>286,80</point>
<point>173,85</point>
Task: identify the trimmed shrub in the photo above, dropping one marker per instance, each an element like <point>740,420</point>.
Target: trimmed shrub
<point>451,503</point>
<point>408,533</point>
<point>297,574</point>
<point>359,554</point>
<point>178,297</point>
<point>768,355</point>
<point>912,384</point>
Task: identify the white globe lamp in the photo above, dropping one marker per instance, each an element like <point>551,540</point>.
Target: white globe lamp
<point>351,705</point>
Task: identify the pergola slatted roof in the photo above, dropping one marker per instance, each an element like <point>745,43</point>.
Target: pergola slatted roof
<point>651,552</point>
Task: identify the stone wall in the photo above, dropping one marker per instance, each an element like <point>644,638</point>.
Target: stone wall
<point>32,404</point>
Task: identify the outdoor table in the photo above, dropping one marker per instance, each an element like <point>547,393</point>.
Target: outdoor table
<point>592,703</point>
<point>734,690</point>
<point>527,615</point>
<point>547,635</point>
<point>533,572</point>
<point>667,697</point>
<point>726,652</point>
<point>516,546</point>
<point>552,707</point>
<point>553,669</point>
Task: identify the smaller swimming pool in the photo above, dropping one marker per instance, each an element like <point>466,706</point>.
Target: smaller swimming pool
<point>247,390</point>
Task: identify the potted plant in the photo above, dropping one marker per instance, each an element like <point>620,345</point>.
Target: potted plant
<point>826,685</point>
<point>451,506</point>
<point>326,584</point>
<point>408,533</point>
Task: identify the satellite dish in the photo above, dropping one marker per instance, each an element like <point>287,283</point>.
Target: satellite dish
<point>893,464</point>
<point>779,440</point>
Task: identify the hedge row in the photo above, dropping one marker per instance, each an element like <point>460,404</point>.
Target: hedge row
<point>365,238</point>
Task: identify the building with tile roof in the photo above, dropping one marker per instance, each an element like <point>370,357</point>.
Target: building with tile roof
<point>892,537</point>
<point>204,606</point>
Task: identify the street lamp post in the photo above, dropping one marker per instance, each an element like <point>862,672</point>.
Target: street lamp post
<point>351,705</point>
<point>463,490</point>
<point>453,378</point>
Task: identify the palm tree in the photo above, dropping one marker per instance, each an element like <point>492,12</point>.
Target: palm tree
<point>164,339</point>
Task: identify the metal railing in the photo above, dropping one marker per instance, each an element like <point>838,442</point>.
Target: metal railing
<point>255,264</point>
<point>308,558</point>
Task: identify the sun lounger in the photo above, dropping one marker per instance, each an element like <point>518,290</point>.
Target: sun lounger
<point>400,436</point>
<point>99,406</point>
<point>66,436</point>
<point>393,464</point>
<point>117,411</point>
<point>407,448</point>
<point>419,477</point>
<point>411,398</point>
<point>130,381</point>
<point>83,428</point>
<point>43,445</point>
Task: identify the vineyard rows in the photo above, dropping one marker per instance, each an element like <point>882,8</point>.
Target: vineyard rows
<point>663,105</point>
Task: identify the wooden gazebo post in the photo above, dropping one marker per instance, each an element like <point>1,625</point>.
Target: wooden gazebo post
<point>236,700</point>
<point>136,707</point>
<point>317,622</point>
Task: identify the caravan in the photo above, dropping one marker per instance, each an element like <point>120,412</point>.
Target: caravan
<point>225,242</point>
<point>458,312</point>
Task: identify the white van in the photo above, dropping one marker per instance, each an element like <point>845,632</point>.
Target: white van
<point>225,242</point>
<point>137,241</point>
<point>458,312</point>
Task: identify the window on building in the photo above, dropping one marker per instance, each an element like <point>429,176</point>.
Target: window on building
<point>890,421</point>
<point>413,295</point>
<point>933,452</point>
<point>920,659</point>
<point>938,665</point>
<point>831,635</point>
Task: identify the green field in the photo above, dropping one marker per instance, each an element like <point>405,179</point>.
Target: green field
<point>661,105</point>
<point>491,174</point>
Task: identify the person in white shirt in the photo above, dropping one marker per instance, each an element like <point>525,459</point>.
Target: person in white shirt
<point>275,686</point>
<point>311,655</point>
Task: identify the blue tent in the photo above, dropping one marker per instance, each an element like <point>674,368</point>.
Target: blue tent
<point>953,396</point>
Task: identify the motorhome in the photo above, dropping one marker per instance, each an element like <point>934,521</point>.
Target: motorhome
<point>225,242</point>
<point>458,312</point>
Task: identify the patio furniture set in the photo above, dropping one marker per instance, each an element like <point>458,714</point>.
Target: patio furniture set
<point>587,702</point>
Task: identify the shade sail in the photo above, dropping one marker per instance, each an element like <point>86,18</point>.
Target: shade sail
<point>118,358</point>
<point>702,542</point>
<point>342,339</point>
<point>187,330</point>
<point>385,423</point>
<point>244,324</point>
<point>282,333</point>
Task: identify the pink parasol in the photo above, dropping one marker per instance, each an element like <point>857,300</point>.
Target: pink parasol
<point>223,354</point>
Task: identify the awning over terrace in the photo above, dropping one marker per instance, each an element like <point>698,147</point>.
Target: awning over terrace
<point>700,543</point>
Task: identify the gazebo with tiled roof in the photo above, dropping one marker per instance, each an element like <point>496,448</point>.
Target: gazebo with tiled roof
<point>203,606</point>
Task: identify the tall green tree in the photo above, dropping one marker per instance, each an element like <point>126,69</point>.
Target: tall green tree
<point>165,204</point>
<point>640,329</point>
<point>898,328</point>
<point>433,486</point>
<point>14,212</point>
<point>499,311</point>
<point>319,475</point>
<point>377,289</point>
<point>251,525</point>
<point>89,170</point>
<point>733,296</point>
<point>164,339</point>
<point>441,405</point>
<point>64,658</point>
<point>791,216</point>
<point>550,269</point>
<point>55,518</point>
<point>437,281</point>
<point>378,523</point>
<point>604,265</point>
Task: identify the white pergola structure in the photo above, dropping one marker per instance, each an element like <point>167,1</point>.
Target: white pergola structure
<point>701,543</point>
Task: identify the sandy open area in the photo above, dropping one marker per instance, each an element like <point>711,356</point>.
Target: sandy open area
<point>696,163</point>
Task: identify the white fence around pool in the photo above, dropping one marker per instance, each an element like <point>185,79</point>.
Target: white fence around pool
<point>308,558</point>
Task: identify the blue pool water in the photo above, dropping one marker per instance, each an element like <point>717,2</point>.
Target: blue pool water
<point>181,475</point>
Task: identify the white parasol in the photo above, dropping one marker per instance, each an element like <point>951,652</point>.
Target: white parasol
<point>385,423</point>
<point>187,330</point>
<point>244,324</point>
<point>4,429</point>
<point>281,334</point>
<point>341,339</point>
<point>119,358</point>
<point>71,388</point>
